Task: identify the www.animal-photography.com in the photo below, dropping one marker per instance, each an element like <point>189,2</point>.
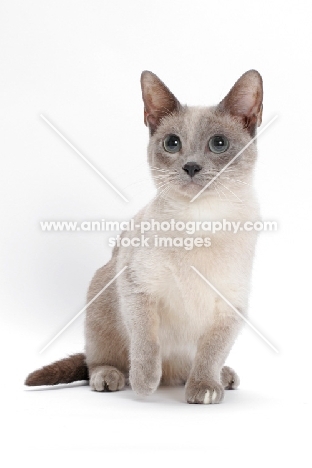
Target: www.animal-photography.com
<point>155,232</point>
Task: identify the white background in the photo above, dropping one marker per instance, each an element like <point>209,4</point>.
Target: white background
<point>78,63</point>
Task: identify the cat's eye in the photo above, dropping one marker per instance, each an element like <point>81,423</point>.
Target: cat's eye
<point>172,143</point>
<point>218,144</point>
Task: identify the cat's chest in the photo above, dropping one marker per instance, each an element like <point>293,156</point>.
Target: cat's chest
<point>185,282</point>
<point>223,259</point>
<point>186,303</point>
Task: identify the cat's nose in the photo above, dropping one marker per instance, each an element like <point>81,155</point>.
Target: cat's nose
<point>191,168</point>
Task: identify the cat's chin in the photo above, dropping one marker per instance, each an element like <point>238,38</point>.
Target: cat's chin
<point>192,187</point>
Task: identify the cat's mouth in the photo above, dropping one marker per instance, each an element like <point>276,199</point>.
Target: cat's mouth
<point>189,187</point>
<point>192,186</point>
<point>192,183</point>
<point>195,182</point>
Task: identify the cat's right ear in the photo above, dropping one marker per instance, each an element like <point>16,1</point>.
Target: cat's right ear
<point>158,100</point>
<point>244,101</point>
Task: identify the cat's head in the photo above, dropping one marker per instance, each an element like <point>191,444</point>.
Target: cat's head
<point>189,146</point>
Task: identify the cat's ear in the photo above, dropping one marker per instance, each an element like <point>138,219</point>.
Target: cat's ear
<point>158,100</point>
<point>244,101</point>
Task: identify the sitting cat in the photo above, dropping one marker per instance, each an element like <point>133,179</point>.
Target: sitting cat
<point>159,321</point>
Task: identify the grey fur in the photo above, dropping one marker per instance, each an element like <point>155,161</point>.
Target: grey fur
<point>146,317</point>
<point>159,322</point>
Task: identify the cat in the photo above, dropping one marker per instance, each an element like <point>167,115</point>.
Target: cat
<point>159,322</point>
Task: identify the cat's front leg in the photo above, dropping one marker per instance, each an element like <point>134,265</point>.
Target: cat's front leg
<point>145,357</point>
<point>204,385</point>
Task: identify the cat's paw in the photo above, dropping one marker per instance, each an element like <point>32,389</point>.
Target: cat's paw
<point>229,378</point>
<point>206,392</point>
<point>107,378</point>
<point>144,380</point>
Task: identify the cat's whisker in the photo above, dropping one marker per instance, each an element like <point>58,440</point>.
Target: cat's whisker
<point>228,171</point>
<point>223,193</point>
<point>231,192</point>
<point>226,199</point>
<point>218,193</point>
<point>160,186</point>
<point>161,177</point>
<point>167,171</point>
<point>237,180</point>
<point>215,172</point>
<point>158,196</point>
<point>159,170</point>
<point>165,191</point>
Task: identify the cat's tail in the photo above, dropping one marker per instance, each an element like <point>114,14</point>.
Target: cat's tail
<point>64,371</point>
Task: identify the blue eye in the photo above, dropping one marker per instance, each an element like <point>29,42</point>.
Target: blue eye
<point>172,143</point>
<point>218,144</point>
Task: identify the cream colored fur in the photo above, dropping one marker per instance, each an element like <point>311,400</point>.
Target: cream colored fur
<point>159,322</point>
<point>168,325</point>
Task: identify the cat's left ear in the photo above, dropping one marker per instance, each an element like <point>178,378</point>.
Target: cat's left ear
<point>158,100</point>
<point>244,101</point>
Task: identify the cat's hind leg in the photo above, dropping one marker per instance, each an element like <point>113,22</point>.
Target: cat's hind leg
<point>106,378</point>
<point>107,354</point>
<point>229,378</point>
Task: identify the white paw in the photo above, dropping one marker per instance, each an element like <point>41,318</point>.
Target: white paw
<point>207,393</point>
<point>210,397</point>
